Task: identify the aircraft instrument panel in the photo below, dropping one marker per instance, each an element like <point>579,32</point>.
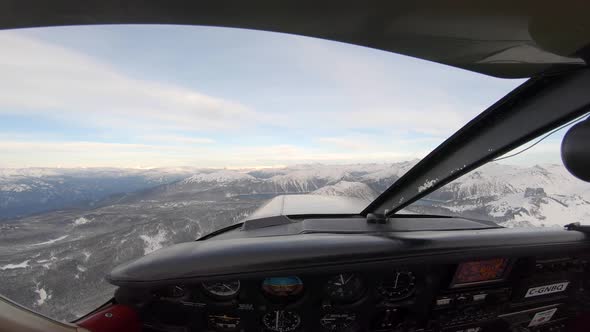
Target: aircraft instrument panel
<point>492,294</point>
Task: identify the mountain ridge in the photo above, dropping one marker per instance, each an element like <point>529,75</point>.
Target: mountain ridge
<point>495,191</point>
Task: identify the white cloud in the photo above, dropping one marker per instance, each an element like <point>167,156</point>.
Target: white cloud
<point>548,152</point>
<point>290,154</point>
<point>386,91</point>
<point>368,142</point>
<point>91,154</point>
<point>177,139</point>
<point>351,143</point>
<point>42,78</point>
<point>410,105</point>
<point>96,154</point>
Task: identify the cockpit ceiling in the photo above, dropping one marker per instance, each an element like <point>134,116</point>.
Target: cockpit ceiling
<point>500,38</point>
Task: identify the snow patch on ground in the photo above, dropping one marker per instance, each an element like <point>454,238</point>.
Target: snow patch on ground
<point>46,263</point>
<point>22,265</point>
<point>50,241</point>
<point>86,255</point>
<point>462,207</point>
<point>43,295</point>
<point>82,221</point>
<point>155,242</point>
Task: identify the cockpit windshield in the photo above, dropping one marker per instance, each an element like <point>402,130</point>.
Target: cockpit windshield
<point>116,141</point>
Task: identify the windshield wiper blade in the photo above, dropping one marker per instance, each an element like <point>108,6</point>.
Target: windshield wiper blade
<point>537,106</point>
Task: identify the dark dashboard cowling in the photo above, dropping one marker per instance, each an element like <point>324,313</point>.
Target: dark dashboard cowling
<point>396,280</point>
<point>293,253</point>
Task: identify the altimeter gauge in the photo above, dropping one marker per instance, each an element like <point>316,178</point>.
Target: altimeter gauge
<point>222,290</point>
<point>397,286</point>
<point>345,288</point>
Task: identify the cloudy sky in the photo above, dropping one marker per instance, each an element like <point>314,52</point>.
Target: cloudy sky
<point>149,96</point>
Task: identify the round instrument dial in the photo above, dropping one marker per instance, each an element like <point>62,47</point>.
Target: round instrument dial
<point>222,290</point>
<point>338,321</point>
<point>282,287</point>
<point>224,322</point>
<point>281,321</point>
<point>345,288</point>
<point>398,286</point>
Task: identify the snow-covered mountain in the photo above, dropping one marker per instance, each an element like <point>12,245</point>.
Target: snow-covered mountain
<point>218,177</point>
<point>534,196</point>
<point>542,195</point>
<point>33,190</point>
<point>348,189</point>
<point>267,183</point>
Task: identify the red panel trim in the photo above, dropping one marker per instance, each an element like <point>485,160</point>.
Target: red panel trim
<point>115,318</point>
